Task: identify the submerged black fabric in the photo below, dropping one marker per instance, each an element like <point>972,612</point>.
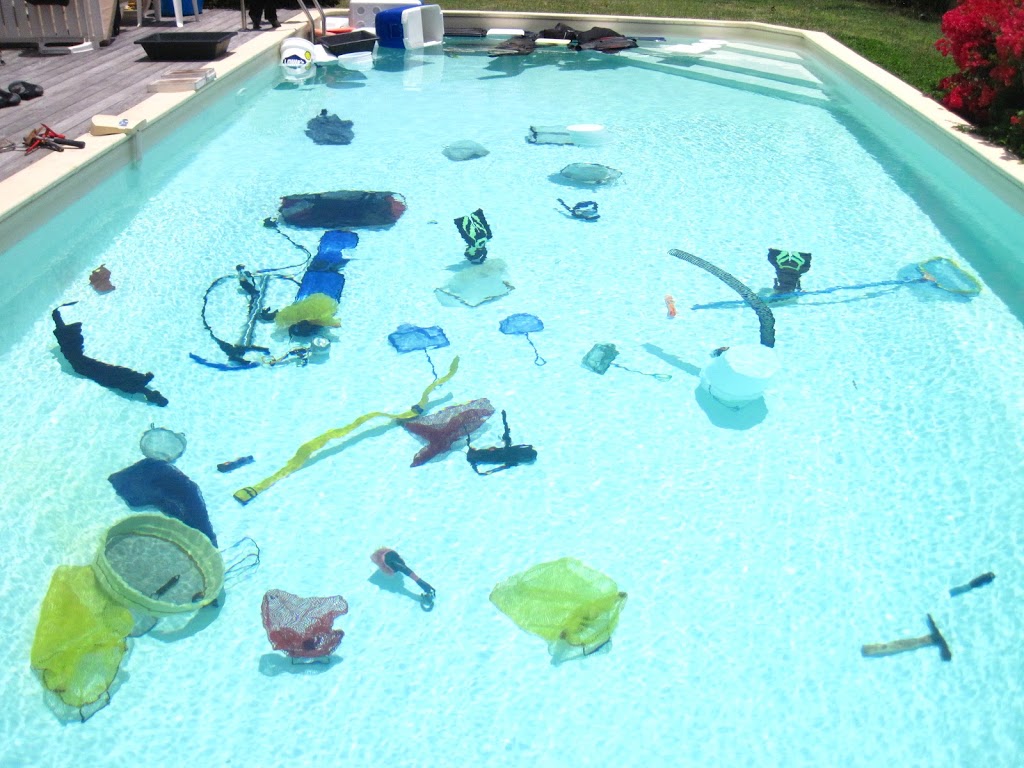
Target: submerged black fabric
<point>72,344</point>
<point>329,129</point>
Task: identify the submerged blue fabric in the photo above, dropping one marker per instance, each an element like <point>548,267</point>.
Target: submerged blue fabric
<point>155,483</point>
<point>409,338</point>
<point>324,272</point>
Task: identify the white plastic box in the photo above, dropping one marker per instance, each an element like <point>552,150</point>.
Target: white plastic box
<point>363,15</point>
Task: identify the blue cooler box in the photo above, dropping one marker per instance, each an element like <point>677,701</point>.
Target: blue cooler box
<point>410,27</point>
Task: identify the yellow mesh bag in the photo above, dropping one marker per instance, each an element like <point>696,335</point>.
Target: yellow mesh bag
<point>80,638</point>
<point>562,600</point>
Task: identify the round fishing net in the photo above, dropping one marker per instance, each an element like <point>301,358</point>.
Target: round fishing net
<point>162,444</point>
<point>159,566</point>
<point>302,627</point>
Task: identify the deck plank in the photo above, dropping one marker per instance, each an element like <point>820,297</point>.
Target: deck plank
<point>103,81</point>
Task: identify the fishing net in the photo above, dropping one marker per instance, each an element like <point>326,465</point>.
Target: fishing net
<point>159,566</point>
<point>302,627</point>
<point>949,276</point>
<point>522,324</point>
<point>563,600</point>
<point>316,309</point>
<point>80,638</point>
<point>156,483</point>
<point>443,429</point>
<point>939,271</point>
<point>602,356</point>
<point>412,338</point>
<point>162,444</point>
<point>764,314</point>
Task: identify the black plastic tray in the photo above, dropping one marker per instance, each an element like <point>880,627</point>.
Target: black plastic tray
<point>349,42</point>
<point>185,46</point>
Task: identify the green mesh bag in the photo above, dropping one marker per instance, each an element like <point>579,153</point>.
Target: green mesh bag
<point>80,638</point>
<point>562,601</point>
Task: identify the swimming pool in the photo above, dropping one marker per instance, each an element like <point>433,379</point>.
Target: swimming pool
<point>760,548</point>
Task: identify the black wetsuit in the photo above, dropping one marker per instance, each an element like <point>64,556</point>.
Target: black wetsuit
<point>72,344</point>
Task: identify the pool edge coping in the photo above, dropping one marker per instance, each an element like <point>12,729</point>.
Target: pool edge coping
<point>55,171</point>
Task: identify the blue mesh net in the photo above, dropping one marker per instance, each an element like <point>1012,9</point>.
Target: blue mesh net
<point>409,338</point>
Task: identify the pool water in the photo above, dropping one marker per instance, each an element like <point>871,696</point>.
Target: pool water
<point>760,548</point>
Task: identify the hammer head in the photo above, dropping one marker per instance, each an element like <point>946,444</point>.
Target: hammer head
<point>939,640</point>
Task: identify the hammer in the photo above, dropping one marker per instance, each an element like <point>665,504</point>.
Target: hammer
<point>911,644</point>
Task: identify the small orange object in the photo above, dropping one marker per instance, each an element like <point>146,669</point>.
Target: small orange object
<point>670,303</point>
<point>100,280</point>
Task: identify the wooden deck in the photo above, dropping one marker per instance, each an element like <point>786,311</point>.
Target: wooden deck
<point>103,81</point>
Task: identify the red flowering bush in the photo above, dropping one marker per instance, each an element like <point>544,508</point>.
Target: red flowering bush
<point>986,40</point>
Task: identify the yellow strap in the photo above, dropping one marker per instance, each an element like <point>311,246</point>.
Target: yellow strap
<point>305,452</point>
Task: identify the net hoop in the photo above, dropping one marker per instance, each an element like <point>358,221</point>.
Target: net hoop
<point>194,544</point>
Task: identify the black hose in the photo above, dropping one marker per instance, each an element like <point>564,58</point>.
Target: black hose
<point>764,312</point>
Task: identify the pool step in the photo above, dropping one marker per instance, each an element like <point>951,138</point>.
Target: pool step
<point>740,65</point>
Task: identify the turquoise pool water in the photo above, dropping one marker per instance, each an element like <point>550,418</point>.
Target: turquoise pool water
<point>760,548</point>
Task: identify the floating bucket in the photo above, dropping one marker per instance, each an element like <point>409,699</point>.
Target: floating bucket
<point>588,134</point>
<point>159,566</point>
<point>297,59</point>
<point>740,374</point>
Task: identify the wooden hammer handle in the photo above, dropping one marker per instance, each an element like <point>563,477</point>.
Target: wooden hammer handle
<point>897,646</point>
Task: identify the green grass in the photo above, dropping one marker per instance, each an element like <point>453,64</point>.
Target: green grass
<point>898,40</point>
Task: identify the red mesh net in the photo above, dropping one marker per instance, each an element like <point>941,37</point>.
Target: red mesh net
<point>443,429</point>
<point>302,627</point>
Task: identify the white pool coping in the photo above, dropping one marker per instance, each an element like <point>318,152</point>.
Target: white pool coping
<point>28,197</point>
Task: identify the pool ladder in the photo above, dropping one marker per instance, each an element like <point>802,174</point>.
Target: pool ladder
<point>312,23</point>
<point>309,16</point>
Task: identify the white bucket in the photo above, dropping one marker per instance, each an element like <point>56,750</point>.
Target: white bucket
<point>588,134</point>
<point>740,374</point>
<point>297,58</point>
